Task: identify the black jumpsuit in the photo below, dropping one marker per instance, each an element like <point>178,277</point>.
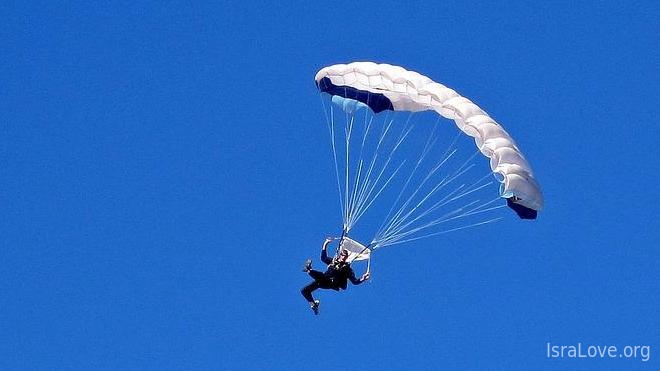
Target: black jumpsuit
<point>335,277</point>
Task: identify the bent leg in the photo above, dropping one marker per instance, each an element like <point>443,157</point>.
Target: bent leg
<point>307,291</point>
<point>317,276</point>
<point>323,281</point>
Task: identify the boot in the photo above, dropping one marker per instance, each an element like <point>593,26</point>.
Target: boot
<point>308,266</point>
<point>315,306</point>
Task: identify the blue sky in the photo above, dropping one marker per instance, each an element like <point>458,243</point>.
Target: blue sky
<point>166,169</point>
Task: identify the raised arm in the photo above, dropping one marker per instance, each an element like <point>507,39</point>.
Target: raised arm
<point>324,251</point>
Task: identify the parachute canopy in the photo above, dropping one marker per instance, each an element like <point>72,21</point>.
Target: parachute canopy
<point>383,87</point>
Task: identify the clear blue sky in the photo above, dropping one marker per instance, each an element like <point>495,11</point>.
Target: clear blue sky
<point>165,170</point>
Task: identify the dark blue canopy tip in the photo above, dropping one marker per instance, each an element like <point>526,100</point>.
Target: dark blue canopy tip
<point>377,102</point>
<point>522,211</point>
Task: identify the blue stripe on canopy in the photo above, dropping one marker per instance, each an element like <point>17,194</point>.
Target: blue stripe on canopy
<point>377,102</point>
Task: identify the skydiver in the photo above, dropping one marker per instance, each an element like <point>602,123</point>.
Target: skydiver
<point>337,274</point>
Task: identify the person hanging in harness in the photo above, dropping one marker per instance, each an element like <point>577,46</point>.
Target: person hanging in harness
<point>336,276</point>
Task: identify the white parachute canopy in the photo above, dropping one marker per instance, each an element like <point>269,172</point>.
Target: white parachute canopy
<point>373,88</point>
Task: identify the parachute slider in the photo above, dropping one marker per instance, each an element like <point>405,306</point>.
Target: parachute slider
<point>356,251</point>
